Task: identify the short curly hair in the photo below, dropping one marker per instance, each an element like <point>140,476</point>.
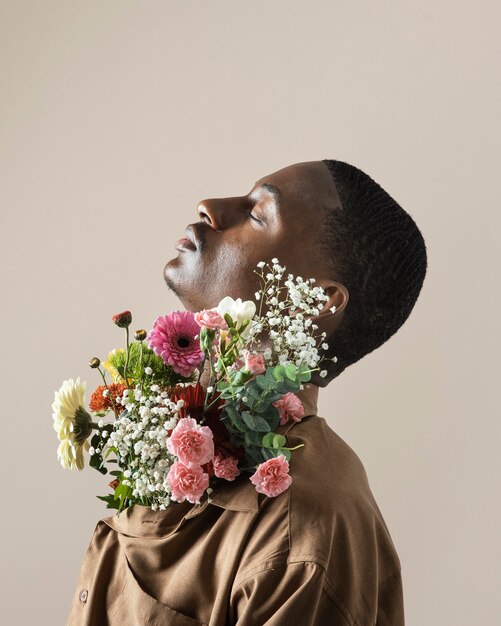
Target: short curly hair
<point>376,250</point>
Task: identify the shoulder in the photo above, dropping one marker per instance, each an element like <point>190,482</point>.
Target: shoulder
<point>327,521</point>
<point>333,514</point>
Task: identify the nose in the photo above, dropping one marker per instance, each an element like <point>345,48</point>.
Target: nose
<point>221,212</point>
<point>204,210</point>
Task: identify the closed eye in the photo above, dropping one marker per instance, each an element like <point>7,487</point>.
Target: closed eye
<point>254,217</point>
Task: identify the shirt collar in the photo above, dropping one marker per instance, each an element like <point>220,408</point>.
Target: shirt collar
<point>241,495</point>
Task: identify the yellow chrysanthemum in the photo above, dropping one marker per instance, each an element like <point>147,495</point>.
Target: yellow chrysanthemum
<point>111,368</point>
<point>72,423</point>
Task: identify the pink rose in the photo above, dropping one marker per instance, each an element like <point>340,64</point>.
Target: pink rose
<point>225,467</point>
<point>289,408</point>
<point>254,362</point>
<point>272,477</point>
<point>187,482</point>
<point>210,318</point>
<point>191,443</point>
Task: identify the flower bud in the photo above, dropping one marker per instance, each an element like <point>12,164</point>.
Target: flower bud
<point>94,362</point>
<point>140,335</point>
<point>123,320</point>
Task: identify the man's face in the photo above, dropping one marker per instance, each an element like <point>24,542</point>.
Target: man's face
<point>230,241</point>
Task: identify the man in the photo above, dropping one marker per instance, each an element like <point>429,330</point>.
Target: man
<point>320,553</point>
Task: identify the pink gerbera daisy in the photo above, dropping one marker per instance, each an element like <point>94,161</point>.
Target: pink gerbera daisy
<point>175,339</point>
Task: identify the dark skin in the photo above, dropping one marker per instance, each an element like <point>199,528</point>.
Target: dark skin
<point>230,243</point>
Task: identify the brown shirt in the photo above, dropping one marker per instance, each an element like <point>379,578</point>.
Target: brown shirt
<point>318,554</point>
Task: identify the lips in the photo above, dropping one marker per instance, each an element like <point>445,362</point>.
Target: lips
<point>190,241</point>
<point>185,244</point>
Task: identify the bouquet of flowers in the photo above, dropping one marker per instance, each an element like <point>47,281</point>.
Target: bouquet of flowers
<point>171,437</point>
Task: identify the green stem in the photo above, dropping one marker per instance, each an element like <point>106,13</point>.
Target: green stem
<point>229,379</point>
<point>201,368</point>
<point>126,355</point>
<point>210,379</point>
<point>141,366</point>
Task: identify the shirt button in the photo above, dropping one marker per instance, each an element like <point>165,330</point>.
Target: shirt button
<point>83,595</point>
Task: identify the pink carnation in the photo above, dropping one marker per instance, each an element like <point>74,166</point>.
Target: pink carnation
<point>289,408</point>
<point>191,443</point>
<point>272,477</point>
<point>210,318</point>
<point>254,362</point>
<point>226,467</point>
<point>187,482</point>
<point>174,338</point>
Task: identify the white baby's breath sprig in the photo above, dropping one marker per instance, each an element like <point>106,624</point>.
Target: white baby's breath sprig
<point>288,306</point>
<point>139,437</point>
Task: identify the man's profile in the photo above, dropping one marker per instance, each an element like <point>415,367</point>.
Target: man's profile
<point>325,219</point>
<point>319,553</point>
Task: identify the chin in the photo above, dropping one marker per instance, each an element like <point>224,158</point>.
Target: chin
<point>169,278</point>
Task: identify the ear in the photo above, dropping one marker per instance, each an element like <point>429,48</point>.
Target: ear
<point>328,320</point>
<point>338,296</point>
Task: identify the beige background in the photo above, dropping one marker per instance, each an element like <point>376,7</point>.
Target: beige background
<point>116,118</point>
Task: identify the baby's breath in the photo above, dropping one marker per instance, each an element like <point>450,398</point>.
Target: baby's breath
<point>139,436</point>
<point>290,330</point>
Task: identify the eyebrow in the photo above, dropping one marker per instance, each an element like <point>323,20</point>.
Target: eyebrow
<point>275,191</point>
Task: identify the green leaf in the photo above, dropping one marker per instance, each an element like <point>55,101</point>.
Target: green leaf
<point>286,453</point>
<point>111,503</point>
<point>261,381</point>
<point>252,391</point>
<point>96,462</point>
<point>238,378</point>
<point>290,371</point>
<point>266,454</point>
<point>252,438</point>
<point>122,493</point>
<point>279,372</point>
<point>272,416</point>
<point>287,385</point>
<point>267,440</point>
<point>255,422</point>
<point>229,321</point>
<point>110,450</point>
<point>271,381</point>
<point>279,441</point>
<point>231,410</point>
<point>304,373</point>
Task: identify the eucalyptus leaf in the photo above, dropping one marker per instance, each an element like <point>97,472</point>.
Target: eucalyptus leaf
<point>286,453</point>
<point>279,372</point>
<point>271,381</point>
<point>279,441</point>
<point>261,381</point>
<point>267,440</point>
<point>255,422</point>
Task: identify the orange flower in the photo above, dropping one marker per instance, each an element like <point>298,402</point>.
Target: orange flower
<point>98,402</point>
